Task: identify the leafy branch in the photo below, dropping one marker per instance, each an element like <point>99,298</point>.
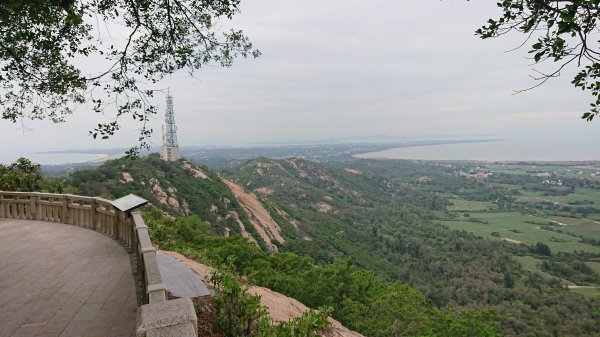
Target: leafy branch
<point>563,32</point>
<point>40,77</point>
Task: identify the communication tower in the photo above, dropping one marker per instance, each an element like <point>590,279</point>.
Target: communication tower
<point>170,148</point>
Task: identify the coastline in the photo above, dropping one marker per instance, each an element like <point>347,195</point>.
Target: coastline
<point>516,150</point>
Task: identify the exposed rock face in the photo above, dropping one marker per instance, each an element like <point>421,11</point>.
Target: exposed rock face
<point>197,173</point>
<point>324,207</point>
<point>173,202</point>
<point>264,190</point>
<point>186,208</point>
<point>243,230</point>
<point>259,217</point>
<point>289,219</point>
<point>164,198</point>
<point>353,171</point>
<point>158,192</point>
<point>281,308</point>
<point>127,177</point>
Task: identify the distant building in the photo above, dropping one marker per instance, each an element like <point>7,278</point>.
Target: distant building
<point>474,175</point>
<point>170,148</point>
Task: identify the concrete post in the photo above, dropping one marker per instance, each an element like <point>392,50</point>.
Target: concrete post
<point>2,215</point>
<point>94,216</point>
<point>67,216</point>
<point>175,318</point>
<point>33,206</point>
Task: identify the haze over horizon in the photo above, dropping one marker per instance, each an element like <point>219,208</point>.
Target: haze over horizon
<point>348,69</point>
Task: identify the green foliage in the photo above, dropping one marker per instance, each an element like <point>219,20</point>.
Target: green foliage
<point>561,32</point>
<point>25,176</point>
<point>180,186</point>
<point>542,249</point>
<point>360,299</point>
<point>44,41</point>
<point>380,240</point>
<point>238,313</point>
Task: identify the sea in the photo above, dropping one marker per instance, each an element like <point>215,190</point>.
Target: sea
<point>559,147</point>
<point>55,158</point>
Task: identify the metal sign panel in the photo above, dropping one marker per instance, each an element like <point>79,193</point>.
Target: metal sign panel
<point>129,202</point>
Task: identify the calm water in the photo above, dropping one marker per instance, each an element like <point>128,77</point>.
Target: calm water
<point>53,158</point>
<point>516,148</point>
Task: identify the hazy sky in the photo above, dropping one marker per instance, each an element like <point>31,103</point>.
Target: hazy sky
<point>349,68</point>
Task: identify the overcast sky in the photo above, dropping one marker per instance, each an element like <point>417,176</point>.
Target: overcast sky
<point>349,68</point>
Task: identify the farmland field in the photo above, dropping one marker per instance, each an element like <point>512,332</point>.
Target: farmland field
<point>468,205</point>
<point>518,228</point>
<point>579,226</point>
<point>532,264</point>
<point>580,195</point>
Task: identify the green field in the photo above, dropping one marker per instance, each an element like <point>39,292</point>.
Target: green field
<point>580,195</point>
<point>587,292</point>
<point>560,170</point>
<point>514,227</point>
<point>532,264</point>
<point>595,266</point>
<point>467,205</point>
<point>579,226</point>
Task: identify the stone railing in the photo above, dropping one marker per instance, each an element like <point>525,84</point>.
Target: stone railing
<point>156,315</point>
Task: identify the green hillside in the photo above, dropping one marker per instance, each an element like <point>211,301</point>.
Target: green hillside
<point>177,188</point>
<point>378,217</point>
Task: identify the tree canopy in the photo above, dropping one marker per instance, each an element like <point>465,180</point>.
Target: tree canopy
<point>25,176</point>
<point>564,32</point>
<point>44,42</point>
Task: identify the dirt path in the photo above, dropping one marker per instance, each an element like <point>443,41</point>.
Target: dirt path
<point>573,286</point>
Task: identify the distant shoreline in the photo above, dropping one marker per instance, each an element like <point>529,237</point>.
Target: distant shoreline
<point>509,151</point>
<point>67,158</point>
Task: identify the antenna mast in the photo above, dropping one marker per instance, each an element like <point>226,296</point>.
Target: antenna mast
<point>170,149</point>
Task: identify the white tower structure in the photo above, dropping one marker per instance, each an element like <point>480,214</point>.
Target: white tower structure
<point>170,148</point>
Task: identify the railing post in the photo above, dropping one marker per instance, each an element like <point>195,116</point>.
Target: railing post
<point>32,206</point>
<point>66,216</point>
<point>2,214</point>
<point>116,224</point>
<point>38,207</point>
<point>94,216</point>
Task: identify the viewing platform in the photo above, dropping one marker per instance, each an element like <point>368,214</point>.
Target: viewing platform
<point>77,266</point>
<point>59,280</point>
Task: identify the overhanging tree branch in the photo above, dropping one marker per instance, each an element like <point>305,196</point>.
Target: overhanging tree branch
<point>165,36</point>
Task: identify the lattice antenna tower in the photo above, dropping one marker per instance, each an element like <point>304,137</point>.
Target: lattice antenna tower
<point>170,147</point>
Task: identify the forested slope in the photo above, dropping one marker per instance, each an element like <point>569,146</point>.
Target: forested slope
<point>383,224</point>
<point>359,213</point>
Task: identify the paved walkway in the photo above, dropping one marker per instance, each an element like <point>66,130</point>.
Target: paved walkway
<point>180,280</point>
<point>59,280</point>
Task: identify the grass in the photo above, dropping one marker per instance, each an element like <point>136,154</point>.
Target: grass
<point>469,206</point>
<point>569,171</point>
<point>580,194</point>
<point>514,226</point>
<point>595,266</point>
<point>587,292</point>
<point>579,226</point>
<point>532,264</point>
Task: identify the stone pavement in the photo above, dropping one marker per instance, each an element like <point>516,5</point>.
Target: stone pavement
<point>60,280</point>
<point>180,280</point>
